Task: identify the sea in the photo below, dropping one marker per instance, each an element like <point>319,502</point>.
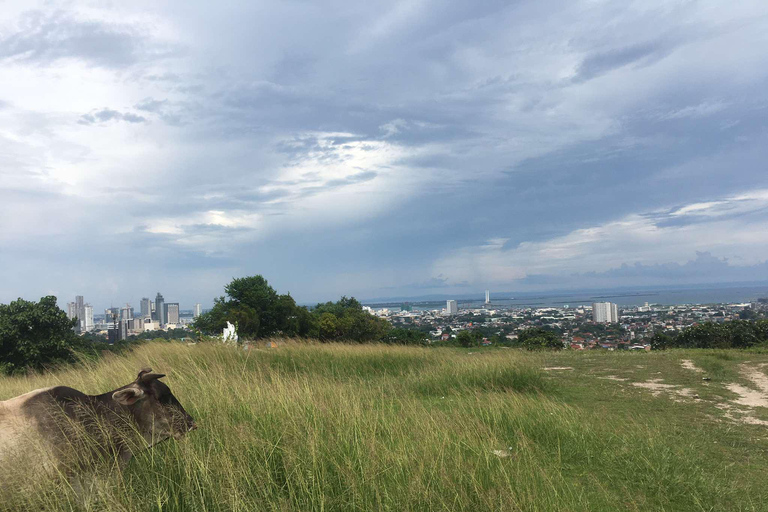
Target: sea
<point>716,295</point>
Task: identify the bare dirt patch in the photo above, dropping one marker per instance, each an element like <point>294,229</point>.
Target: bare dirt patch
<point>657,387</point>
<point>688,365</point>
<point>613,377</point>
<point>554,368</point>
<point>748,396</point>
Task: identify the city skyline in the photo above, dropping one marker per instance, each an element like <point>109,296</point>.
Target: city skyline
<point>379,149</point>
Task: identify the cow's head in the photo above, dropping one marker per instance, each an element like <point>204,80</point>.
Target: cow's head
<point>157,412</point>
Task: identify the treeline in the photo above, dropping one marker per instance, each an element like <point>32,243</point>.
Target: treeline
<point>733,334</point>
<point>38,335</point>
<point>259,311</point>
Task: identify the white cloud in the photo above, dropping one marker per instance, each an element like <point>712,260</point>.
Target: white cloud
<point>644,239</point>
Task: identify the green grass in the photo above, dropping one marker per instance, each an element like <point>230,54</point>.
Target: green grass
<point>343,427</point>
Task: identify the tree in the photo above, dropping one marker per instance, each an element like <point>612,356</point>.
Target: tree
<point>346,319</point>
<point>35,335</point>
<point>257,310</point>
<point>465,339</point>
<point>539,338</point>
<point>661,341</point>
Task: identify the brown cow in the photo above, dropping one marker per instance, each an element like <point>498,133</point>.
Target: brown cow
<point>71,428</point>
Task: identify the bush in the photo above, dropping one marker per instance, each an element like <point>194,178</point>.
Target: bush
<point>540,339</point>
<point>735,334</point>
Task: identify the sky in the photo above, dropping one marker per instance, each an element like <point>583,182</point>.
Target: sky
<point>380,149</point>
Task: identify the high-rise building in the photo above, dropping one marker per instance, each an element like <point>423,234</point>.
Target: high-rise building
<point>198,310</point>
<point>126,312</point>
<point>124,326</point>
<point>160,309</point>
<point>88,317</point>
<point>146,307</point>
<point>137,324</point>
<point>172,313</point>
<point>605,312</point>
<point>71,310</point>
<point>451,307</point>
<point>80,312</point>
<point>487,296</point>
<point>111,314</point>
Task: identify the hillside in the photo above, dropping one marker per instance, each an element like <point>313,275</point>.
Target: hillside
<point>339,427</point>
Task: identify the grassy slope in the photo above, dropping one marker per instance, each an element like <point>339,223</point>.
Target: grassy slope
<point>371,427</point>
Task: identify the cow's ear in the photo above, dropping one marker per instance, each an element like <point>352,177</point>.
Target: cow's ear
<point>128,396</point>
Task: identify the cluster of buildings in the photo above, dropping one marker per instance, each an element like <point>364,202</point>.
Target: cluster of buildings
<point>599,325</point>
<point>119,323</point>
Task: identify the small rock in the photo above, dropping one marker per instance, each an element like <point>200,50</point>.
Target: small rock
<point>706,378</point>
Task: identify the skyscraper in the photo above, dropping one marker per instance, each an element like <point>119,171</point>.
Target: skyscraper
<point>146,307</point>
<point>111,314</point>
<point>162,319</point>
<point>126,312</point>
<point>80,312</point>
<point>172,312</point>
<point>198,310</point>
<point>487,296</point>
<point>71,310</point>
<point>451,307</point>
<point>605,312</point>
<point>88,317</point>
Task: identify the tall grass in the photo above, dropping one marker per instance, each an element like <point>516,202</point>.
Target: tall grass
<point>339,427</point>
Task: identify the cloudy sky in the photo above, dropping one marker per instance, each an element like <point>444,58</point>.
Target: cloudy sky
<point>380,148</point>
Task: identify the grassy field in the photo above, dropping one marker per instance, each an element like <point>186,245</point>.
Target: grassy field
<point>339,427</point>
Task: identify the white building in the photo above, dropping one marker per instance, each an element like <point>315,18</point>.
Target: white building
<point>451,307</point>
<point>88,321</point>
<point>198,310</point>
<point>487,296</point>
<point>605,312</point>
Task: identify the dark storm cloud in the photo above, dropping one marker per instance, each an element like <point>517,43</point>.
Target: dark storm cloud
<point>704,268</point>
<point>514,120</point>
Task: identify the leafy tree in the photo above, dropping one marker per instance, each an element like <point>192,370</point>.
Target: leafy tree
<point>539,338</point>
<point>469,338</point>
<point>35,335</point>
<point>346,319</point>
<point>257,310</point>
<point>661,341</point>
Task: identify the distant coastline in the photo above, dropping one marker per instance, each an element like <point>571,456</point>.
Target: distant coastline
<point>637,297</point>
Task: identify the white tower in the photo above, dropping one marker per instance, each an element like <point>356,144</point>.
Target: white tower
<point>487,296</point>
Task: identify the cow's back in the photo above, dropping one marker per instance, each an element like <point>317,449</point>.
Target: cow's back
<point>19,431</point>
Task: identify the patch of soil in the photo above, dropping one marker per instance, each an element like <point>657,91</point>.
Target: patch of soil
<point>747,396</point>
<point>551,368</point>
<point>688,365</point>
<point>613,377</point>
<point>657,387</point>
